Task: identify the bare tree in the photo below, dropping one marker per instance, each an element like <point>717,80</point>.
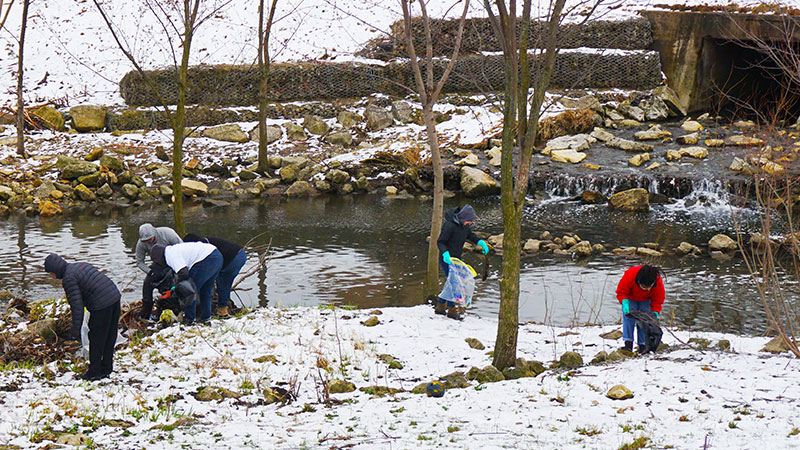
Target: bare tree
<point>20,70</point>
<point>179,19</point>
<point>521,124</point>
<point>263,88</point>
<point>428,90</point>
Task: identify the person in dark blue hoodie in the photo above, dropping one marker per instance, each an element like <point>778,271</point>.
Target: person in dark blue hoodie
<point>455,231</point>
<point>87,288</point>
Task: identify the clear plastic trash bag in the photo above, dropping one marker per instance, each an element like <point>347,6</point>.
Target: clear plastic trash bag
<point>121,340</point>
<point>460,283</point>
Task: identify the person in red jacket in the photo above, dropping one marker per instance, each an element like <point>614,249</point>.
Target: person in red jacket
<point>640,289</point>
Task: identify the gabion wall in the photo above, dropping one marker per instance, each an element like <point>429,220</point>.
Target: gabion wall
<point>238,85</point>
<point>479,36</point>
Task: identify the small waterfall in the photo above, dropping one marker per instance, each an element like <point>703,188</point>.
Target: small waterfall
<point>688,193</point>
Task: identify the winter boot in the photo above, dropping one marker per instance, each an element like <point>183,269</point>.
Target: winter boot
<point>222,312</point>
<point>642,349</point>
<point>440,308</point>
<point>628,346</point>
<point>455,312</point>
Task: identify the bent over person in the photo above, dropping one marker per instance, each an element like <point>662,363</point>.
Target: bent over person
<point>148,237</point>
<point>455,231</point>
<point>196,260</point>
<point>233,259</point>
<point>87,288</point>
<point>640,289</point>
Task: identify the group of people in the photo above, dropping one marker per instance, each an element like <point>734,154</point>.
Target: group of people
<point>189,268</point>
<point>196,262</point>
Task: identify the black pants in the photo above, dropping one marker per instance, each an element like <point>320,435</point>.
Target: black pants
<point>147,296</point>
<point>103,325</point>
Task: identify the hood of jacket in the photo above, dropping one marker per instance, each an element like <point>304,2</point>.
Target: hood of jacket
<point>457,214</point>
<point>55,264</point>
<point>146,232</point>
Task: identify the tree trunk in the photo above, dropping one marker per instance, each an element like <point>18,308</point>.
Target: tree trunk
<point>263,86</point>
<point>20,71</point>
<point>432,275</point>
<point>178,128</point>
<point>505,351</point>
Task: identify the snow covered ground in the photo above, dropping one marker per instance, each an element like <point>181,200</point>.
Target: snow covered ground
<point>682,399</point>
<point>71,57</point>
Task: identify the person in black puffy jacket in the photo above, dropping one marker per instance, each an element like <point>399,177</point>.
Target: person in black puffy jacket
<point>87,288</point>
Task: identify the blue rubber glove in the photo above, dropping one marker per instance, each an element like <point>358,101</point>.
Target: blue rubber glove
<point>446,258</point>
<point>626,306</point>
<point>656,313</point>
<point>482,244</point>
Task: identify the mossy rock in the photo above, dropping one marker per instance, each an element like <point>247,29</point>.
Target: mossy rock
<point>49,209</point>
<point>700,342</point>
<point>474,343</point>
<point>570,360</point>
<point>619,392</point>
<point>275,395</point>
<point>619,355</point>
<point>455,380</point>
<point>112,163</point>
<point>94,154</point>
<point>420,388</point>
<point>533,366</point>
<point>93,179</point>
<point>724,345</point>
<point>380,391</point>
<point>340,387</point>
<point>78,169</point>
<point>488,374</point>
<point>600,357</point>
<point>371,321</point>
<point>266,358</point>
<point>83,193</point>
<point>211,393</point>
<point>48,117</point>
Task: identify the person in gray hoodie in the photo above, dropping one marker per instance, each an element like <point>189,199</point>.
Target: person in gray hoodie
<point>150,236</point>
<point>87,288</point>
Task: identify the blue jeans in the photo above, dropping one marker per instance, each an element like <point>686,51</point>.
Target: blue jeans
<point>226,276</point>
<point>628,322</point>
<point>204,274</point>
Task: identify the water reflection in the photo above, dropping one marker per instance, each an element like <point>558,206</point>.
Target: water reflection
<point>370,251</point>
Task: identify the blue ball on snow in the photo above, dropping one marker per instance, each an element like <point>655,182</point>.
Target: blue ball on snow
<point>434,389</point>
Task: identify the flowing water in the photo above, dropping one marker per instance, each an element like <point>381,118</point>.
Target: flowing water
<point>369,251</point>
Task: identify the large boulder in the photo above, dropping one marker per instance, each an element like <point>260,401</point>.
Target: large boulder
<point>348,119</point>
<point>670,99</point>
<point>402,112</point>
<point>295,132</point>
<point>193,187</point>
<point>299,189</point>
<point>88,117</point>
<point>636,199</point>
<point>723,243</point>
<point>655,108</point>
<point>477,183</point>
<point>229,132</point>
<point>629,146</point>
<point>578,142</point>
<point>315,125</point>
<point>78,169</point>
<point>48,117</point>
<point>341,138</point>
<point>288,173</point>
<point>378,118</point>
<point>274,133</point>
<point>567,156</point>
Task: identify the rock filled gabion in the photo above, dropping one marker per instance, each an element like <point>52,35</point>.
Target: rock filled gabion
<point>238,85</point>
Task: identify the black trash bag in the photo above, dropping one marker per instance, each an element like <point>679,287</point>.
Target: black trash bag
<point>186,291</point>
<point>648,323</point>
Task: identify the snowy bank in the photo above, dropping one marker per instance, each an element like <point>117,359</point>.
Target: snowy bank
<point>682,398</point>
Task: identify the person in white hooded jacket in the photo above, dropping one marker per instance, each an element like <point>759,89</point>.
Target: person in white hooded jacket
<point>196,260</point>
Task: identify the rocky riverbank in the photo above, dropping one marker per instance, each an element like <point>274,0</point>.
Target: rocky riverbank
<point>620,141</point>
